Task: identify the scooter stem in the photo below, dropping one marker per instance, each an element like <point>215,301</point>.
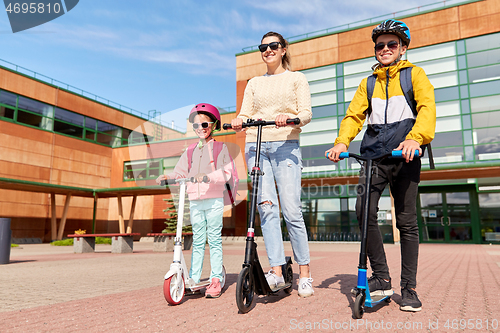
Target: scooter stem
<point>180,219</point>
<point>364,226</point>
<point>256,173</point>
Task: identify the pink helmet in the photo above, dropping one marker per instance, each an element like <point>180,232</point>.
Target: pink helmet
<point>209,110</point>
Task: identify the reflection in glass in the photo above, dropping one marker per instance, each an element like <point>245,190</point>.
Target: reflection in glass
<point>35,106</point>
<point>486,119</point>
<point>69,117</point>
<point>483,58</point>
<point>8,98</point>
<point>483,43</point>
<point>432,216</point>
<point>489,103</point>
<point>484,73</point>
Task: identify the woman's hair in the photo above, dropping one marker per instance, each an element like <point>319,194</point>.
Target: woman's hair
<point>286,62</point>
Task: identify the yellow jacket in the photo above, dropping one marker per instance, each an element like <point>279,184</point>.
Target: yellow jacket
<point>391,120</point>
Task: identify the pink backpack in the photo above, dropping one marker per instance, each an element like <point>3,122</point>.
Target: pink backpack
<point>232,183</point>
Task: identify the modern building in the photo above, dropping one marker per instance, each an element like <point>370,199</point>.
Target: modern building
<point>71,160</point>
<point>458,46</point>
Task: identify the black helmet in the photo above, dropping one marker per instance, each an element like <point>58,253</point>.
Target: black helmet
<point>397,28</point>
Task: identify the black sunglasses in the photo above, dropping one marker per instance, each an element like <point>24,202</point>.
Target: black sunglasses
<point>203,125</point>
<point>392,45</point>
<point>274,46</point>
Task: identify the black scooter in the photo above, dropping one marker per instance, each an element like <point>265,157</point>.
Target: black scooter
<point>362,292</point>
<point>251,279</point>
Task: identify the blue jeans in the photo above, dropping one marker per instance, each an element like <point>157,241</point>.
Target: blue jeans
<point>281,161</point>
<point>206,219</point>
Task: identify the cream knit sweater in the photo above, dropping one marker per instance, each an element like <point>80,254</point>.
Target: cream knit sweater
<point>268,96</point>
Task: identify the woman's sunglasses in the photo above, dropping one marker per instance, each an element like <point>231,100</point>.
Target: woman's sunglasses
<point>203,125</point>
<point>274,46</point>
<point>392,45</point>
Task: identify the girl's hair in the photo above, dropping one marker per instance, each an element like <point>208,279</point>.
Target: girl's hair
<point>286,61</point>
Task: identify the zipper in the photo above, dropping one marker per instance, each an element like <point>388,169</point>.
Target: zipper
<point>387,77</point>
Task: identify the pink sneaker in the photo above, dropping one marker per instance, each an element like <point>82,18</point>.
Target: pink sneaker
<point>214,290</point>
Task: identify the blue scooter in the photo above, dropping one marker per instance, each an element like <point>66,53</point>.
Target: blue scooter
<point>362,292</point>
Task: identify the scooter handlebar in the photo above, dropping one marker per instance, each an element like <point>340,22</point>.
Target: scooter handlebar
<point>192,180</point>
<point>394,153</point>
<point>251,122</point>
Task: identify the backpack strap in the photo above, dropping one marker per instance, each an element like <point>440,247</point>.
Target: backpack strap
<point>190,151</point>
<point>370,86</point>
<point>407,87</point>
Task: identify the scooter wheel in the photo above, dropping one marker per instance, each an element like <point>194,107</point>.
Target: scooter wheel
<point>173,290</point>
<point>245,290</point>
<point>359,306</point>
<point>223,280</point>
<point>289,279</point>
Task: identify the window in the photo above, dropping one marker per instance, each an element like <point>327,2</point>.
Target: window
<point>69,123</point>
<point>145,169</point>
<point>35,113</point>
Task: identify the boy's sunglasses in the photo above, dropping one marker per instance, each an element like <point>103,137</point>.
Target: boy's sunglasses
<point>392,45</point>
<point>203,125</point>
<point>274,46</point>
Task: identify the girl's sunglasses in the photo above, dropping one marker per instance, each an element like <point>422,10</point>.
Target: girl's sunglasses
<point>274,46</point>
<point>202,125</point>
<point>392,45</point>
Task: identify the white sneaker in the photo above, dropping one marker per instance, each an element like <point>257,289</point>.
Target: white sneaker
<point>274,280</point>
<point>305,287</point>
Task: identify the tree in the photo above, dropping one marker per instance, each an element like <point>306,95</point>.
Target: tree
<point>171,220</point>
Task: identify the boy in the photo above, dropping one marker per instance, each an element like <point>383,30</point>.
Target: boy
<point>392,125</point>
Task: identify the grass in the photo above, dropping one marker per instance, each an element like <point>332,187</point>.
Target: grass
<point>14,245</point>
<point>69,241</point>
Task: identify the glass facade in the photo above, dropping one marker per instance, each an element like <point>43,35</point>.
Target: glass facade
<point>466,78</point>
<point>27,111</point>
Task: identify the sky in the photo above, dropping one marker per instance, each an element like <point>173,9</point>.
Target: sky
<point>169,55</point>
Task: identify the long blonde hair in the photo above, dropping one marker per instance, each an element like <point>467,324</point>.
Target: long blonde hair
<point>286,61</point>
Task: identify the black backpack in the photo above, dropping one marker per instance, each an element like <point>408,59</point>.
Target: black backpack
<point>407,87</point>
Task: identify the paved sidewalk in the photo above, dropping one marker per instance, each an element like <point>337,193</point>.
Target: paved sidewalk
<point>51,289</point>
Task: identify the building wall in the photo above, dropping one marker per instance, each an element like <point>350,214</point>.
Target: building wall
<point>33,154</point>
<point>458,48</point>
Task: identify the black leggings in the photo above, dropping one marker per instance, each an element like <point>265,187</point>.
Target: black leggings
<point>403,179</point>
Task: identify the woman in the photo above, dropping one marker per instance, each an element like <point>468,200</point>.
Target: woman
<point>279,95</point>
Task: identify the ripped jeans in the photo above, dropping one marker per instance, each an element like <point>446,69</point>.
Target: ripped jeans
<point>281,161</point>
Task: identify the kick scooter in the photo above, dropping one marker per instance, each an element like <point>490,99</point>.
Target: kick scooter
<point>251,279</point>
<point>362,291</point>
<point>177,281</point>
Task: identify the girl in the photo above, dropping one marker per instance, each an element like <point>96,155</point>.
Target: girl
<point>206,198</point>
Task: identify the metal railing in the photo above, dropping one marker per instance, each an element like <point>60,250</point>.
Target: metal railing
<point>373,20</point>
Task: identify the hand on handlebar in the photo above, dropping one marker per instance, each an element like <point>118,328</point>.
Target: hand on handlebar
<point>160,179</point>
<point>333,153</point>
<point>281,120</point>
<point>201,178</point>
<point>408,148</point>
<point>237,124</point>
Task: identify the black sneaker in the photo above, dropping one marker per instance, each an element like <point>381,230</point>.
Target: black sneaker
<point>410,301</point>
<point>379,287</point>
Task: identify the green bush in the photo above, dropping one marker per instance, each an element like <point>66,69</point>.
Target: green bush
<point>14,245</point>
<point>69,241</point>
<point>64,242</point>
<point>103,240</point>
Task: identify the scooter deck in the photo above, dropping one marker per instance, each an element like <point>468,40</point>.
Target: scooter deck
<point>198,286</point>
<point>386,293</point>
<point>286,285</point>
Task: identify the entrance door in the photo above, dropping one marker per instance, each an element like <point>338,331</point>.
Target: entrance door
<point>446,216</point>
